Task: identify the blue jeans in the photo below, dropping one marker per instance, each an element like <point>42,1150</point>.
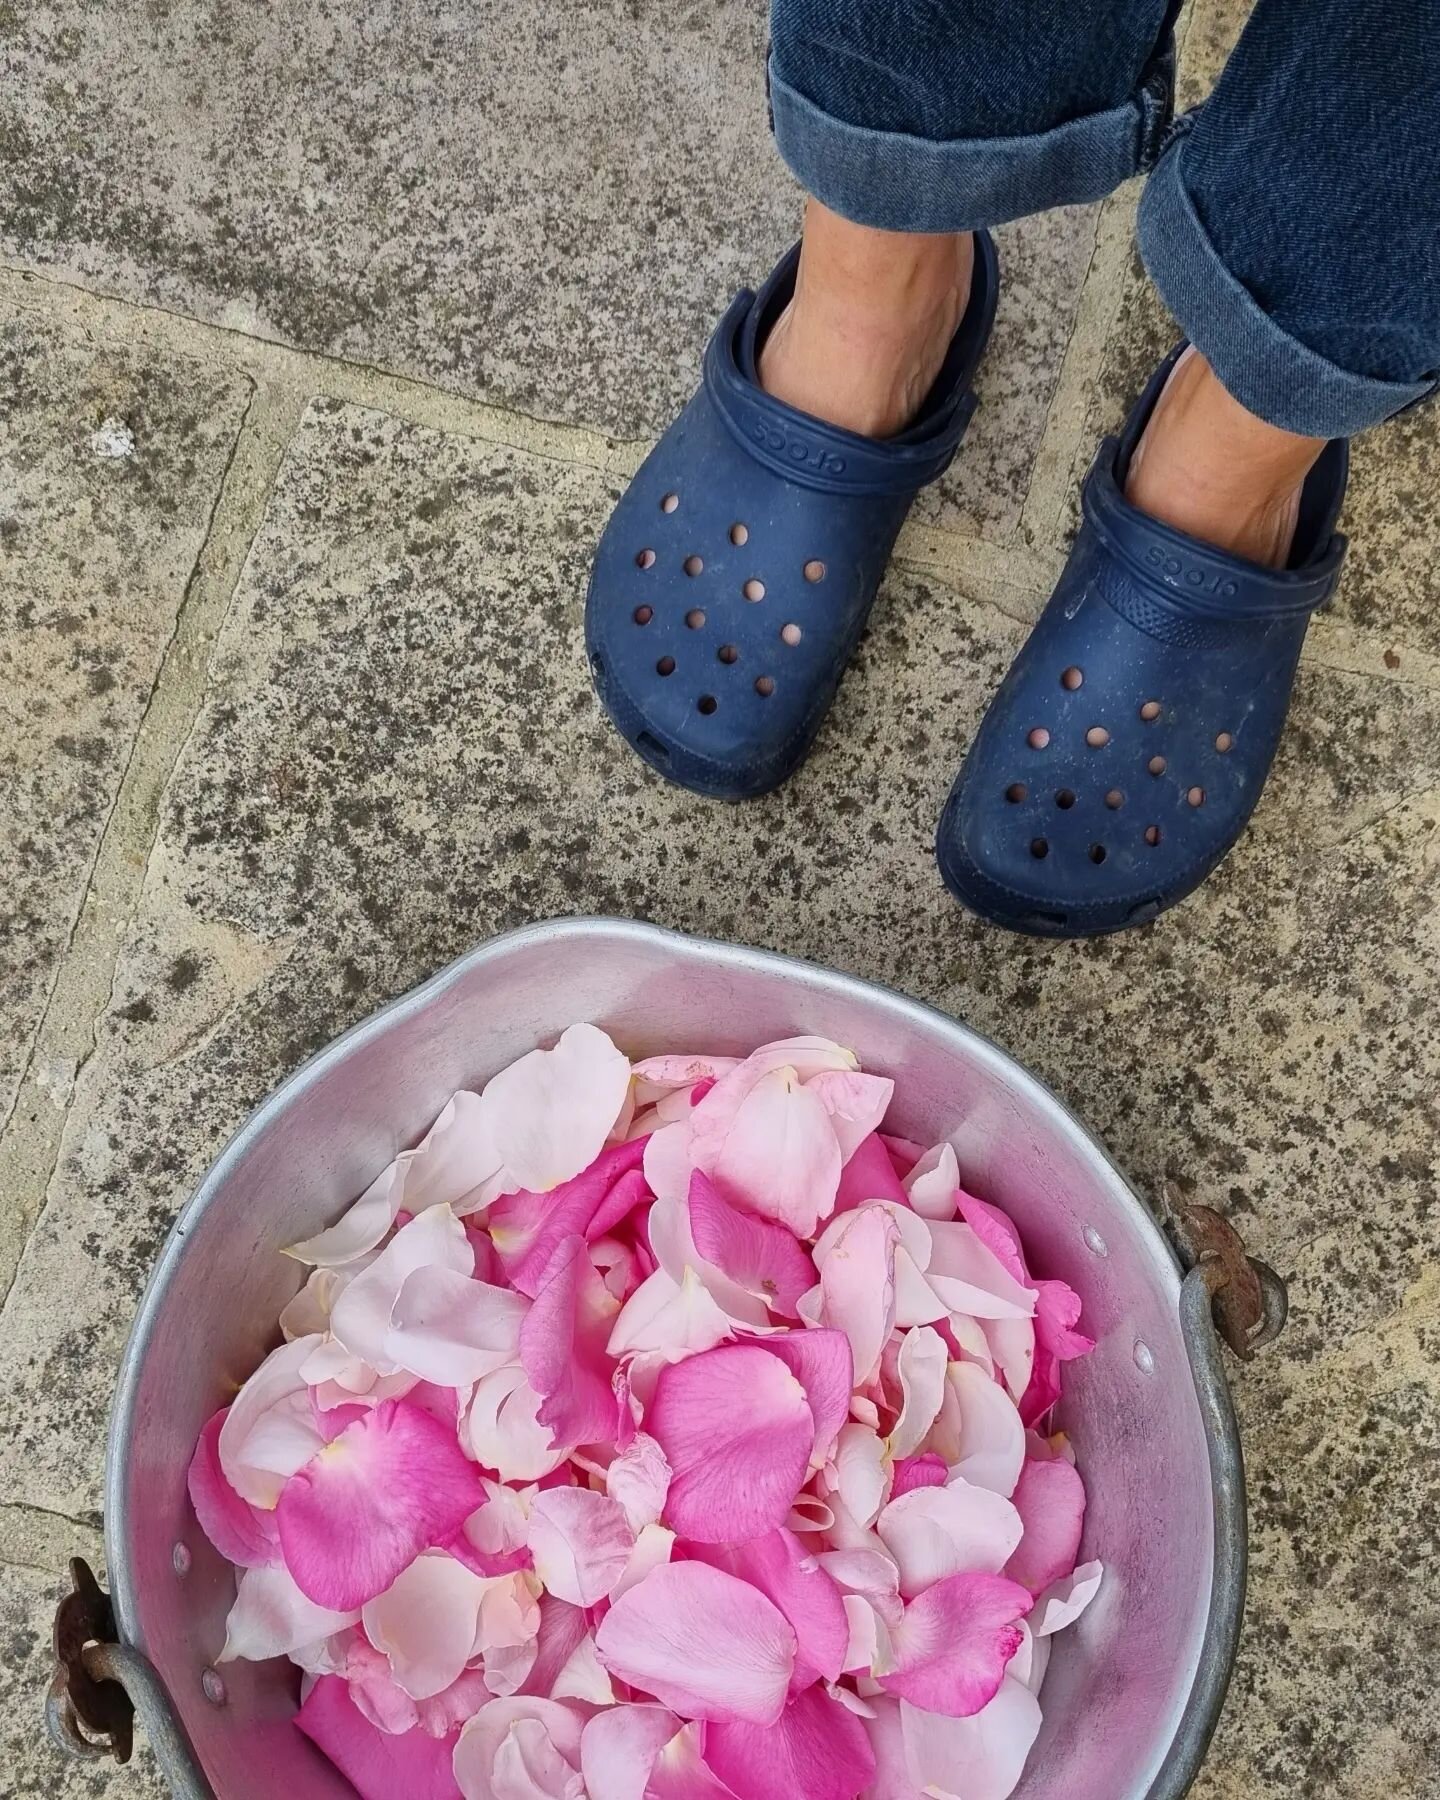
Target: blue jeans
<point>1291,223</point>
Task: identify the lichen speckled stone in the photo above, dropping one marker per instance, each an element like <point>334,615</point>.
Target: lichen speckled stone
<point>399,754</point>
<point>109,467</point>
<point>549,210</point>
<point>33,1768</point>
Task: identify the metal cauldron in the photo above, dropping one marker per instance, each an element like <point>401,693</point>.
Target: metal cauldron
<point>1133,1691</point>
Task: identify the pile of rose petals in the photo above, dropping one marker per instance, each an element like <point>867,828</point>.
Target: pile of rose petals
<point>660,1432</point>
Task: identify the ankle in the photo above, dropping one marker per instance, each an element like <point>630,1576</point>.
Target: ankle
<point>1212,469</point>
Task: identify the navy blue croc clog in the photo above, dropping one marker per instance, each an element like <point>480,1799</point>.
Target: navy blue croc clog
<point>1127,746</point>
<point>734,579</point>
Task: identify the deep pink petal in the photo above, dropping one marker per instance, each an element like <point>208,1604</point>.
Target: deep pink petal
<point>950,1650</point>
<point>816,1750</point>
<point>764,1257</point>
<point>581,1542</point>
<point>821,1361</point>
<point>391,1485</point>
<point>242,1533</point>
<point>701,1642</point>
<point>992,1747</point>
<point>562,1349</point>
<point>904,1152</point>
<point>562,1630</point>
<point>737,1432</point>
<point>630,1191</point>
<point>869,1175</point>
<point>525,1227</point>
<point>377,1765</point>
<point>857,1284</point>
<point>789,1576</point>
<point>1057,1313</point>
<point>912,1472</point>
<point>996,1230</point>
<point>618,1748</point>
<point>1050,1498</point>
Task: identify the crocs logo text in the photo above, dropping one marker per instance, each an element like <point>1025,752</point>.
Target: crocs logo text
<point>796,450</point>
<point>1188,575</point>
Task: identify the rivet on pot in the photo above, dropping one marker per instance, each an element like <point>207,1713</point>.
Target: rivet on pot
<point>1144,1358</point>
<point>212,1687</point>
<point>180,1559</point>
<point>1094,1241</point>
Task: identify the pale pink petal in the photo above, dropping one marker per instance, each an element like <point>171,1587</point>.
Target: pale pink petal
<point>1031,1661</point>
<point>737,1431</point>
<point>949,1652</point>
<point>562,1349</point>
<point>674,1319</point>
<point>868,1175</point>
<point>309,1312</point>
<point>373,1687</point>
<point>242,1533</point>
<point>526,1226</point>
<point>972,1342</point>
<point>424,1623</point>
<point>581,1542</point>
<point>1050,1500</point>
<point>492,1539</point>
<point>362,1315</point>
<point>1011,1343</point>
<point>969,1278</point>
<point>450,1329</point>
<point>935,1532</point>
<point>922,1363</point>
<point>510,1668</point>
<point>582,1677</point>
<point>667,1162</point>
<point>816,1750</point>
<point>989,1447</point>
<point>1064,1600</point>
<point>769,1145</point>
<point>444,1713</point>
<point>618,1749</point>
<point>913,1472</point>
<point>867,1645</point>
<point>867,1574</point>
<point>933,1184</point>
<point>562,1627</point>
<point>377,1765</point>
<point>701,1642</point>
<point>550,1113</point>
<point>621,1266</point>
<point>807,1056</point>
<point>269,1428</point>
<point>653,1545</point>
<point>679,1771</point>
<point>673,1243</point>
<point>1057,1313</point>
<point>892,1779</point>
<point>858,1286</point>
<point>862,1475</point>
<point>981,1758</point>
<point>514,1739</point>
<point>509,1614</point>
<point>761,1256</point>
<point>639,1478</point>
<point>809,1514</point>
<point>779,1566</point>
<point>821,1362</point>
<point>391,1485</point>
<point>996,1230</point>
<point>856,1104</point>
<point>271,1617</point>
<point>658,1075</point>
<point>503,1431</point>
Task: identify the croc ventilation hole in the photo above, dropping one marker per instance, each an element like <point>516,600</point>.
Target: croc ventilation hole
<point>1097,737</point>
<point>1150,711</point>
<point>695,618</point>
<point>1039,848</point>
<point>1016,792</point>
<point>693,565</point>
<point>1038,738</point>
<point>764,687</point>
<point>1156,765</point>
<point>1196,796</point>
<point>1115,799</point>
<point>1097,853</point>
<point>1064,799</point>
<point>645,559</point>
<point>669,503</point>
<point>1071,679</point>
<point>728,653</point>
<point>665,666</point>
<point>739,534</point>
<point>790,634</point>
<point>1224,743</point>
<point>753,589</point>
<point>706,704</point>
<point>644,614</point>
<point>814,569</point>
<point>1152,835</point>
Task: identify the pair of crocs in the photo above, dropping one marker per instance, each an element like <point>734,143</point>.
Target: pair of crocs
<point>1128,744</point>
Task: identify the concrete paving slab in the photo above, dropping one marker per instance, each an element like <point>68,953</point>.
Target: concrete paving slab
<point>109,468</point>
<point>399,755</point>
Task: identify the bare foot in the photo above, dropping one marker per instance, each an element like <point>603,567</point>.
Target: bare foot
<point>1214,470</point>
<point>873,313</point>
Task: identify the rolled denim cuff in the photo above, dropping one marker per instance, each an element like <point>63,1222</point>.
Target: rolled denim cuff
<point>896,182</point>
<point>1260,363</point>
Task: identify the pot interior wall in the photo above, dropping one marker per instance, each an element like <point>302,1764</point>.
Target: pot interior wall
<point>1118,1681</point>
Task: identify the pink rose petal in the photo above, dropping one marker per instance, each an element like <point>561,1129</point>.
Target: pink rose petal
<point>581,1543</point>
<point>618,1749</point>
<point>271,1617</point>
<point>970,1279</point>
<point>856,1104</point>
<point>932,1185</point>
<point>514,1741</point>
<point>991,1748</point>
<point>989,1446</point>
<point>1050,1499</point>
<point>702,1643</point>
<point>562,1349</point>
<point>761,1256</point>
<point>921,1366</point>
<point>242,1533</point>
<point>816,1750</point>
<point>550,1113</point>
<point>1064,1600</point>
<point>934,1532</point>
<point>525,1227</point>
<point>780,1567</point>
<point>1057,1312</point>
<point>679,1772</point>
<point>913,1472</point>
<point>269,1428</point>
<point>391,1485</point>
<point>450,1329</point>
<point>363,1313</point>
<point>996,1230</point>
<point>424,1623</point>
<point>868,1175</point>
<point>639,1478</point>
<point>860,1475</point>
<point>857,1283</point>
<point>821,1362</point>
<point>503,1430</point>
<point>770,1145</point>
<point>377,1765</point>
<point>562,1629</point>
<point>668,1317</point>
<point>948,1653</point>
<point>737,1432</point>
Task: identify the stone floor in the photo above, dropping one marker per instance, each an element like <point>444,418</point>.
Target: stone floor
<point>328,336</point>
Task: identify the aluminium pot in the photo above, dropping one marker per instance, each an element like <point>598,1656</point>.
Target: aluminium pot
<point>1133,1689</point>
